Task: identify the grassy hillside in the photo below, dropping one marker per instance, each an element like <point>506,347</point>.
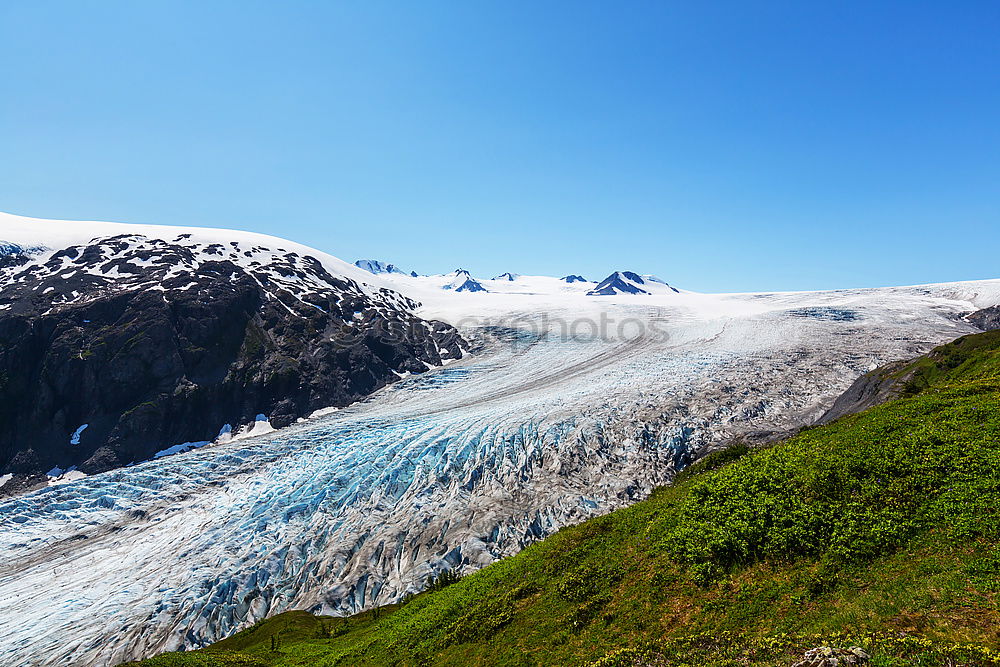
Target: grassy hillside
<point>879,530</point>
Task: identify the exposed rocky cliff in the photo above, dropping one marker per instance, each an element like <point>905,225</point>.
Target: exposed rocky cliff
<point>114,350</point>
<point>899,378</point>
<point>873,388</point>
<point>986,318</point>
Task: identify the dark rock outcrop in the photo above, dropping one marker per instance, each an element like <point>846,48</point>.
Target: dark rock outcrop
<point>873,388</point>
<point>627,282</point>
<point>986,319</point>
<point>619,282</point>
<point>899,378</point>
<point>151,344</point>
<point>464,282</point>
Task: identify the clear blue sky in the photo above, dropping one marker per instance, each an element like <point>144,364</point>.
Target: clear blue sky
<point>720,145</point>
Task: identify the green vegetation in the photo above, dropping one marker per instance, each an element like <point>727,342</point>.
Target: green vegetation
<point>144,406</point>
<point>879,530</point>
<point>254,341</point>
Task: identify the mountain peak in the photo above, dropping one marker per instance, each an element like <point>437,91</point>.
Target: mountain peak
<point>462,281</point>
<point>629,282</point>
<point>376,266</point>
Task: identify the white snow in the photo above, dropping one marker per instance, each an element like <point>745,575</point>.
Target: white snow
<point>429,287</point>
<point>572,406</point>
<point>58,234</point>
<point>75,438</point>
<point>540,429</point>
<point>70,475</point>
<point>183,447</point>
<point>5,478</point>
<point>260,426</point>
<point>58,476</point>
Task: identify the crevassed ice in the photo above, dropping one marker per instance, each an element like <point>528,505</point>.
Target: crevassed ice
<point>452,468</point>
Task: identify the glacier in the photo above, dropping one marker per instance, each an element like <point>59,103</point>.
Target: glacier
<point>570,406</point>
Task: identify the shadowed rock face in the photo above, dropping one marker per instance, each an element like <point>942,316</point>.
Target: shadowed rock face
<point>153,344</point>
<point>986,319</point>
<point>627,282</point>
<point>895,379</point>
<point>447,470</point>
<point>871,389</point>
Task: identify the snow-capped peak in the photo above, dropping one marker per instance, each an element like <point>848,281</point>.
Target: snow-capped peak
<point>462,281</point>
<point>46,237</point>
<point>511,277</point>
<point>8,248</point>
<point>376,266</point>
<point>573,278</point>
<point>629,282</point>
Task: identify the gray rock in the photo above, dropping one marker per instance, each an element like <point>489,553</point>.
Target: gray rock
<point>871,389</point>
<point>151,344</point>
<point>986,318</point>
<point>827,656</point>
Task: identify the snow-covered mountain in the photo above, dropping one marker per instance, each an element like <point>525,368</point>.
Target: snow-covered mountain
<point>15,250</point>
<point>375,266</point>
<point>571,405</point>
<point>461,280</point>
<point>628,282</point>
<point>122,341</point>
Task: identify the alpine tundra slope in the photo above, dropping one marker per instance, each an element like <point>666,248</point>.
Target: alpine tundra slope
<point>571,404</point>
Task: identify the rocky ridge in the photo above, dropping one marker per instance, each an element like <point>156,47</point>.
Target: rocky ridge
<point>117,349</point>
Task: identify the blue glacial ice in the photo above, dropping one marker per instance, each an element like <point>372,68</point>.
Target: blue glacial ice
<point>453,468</point>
